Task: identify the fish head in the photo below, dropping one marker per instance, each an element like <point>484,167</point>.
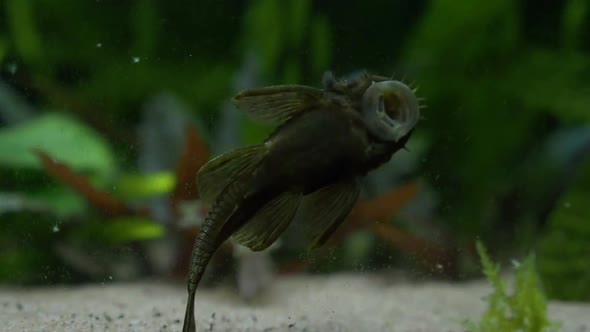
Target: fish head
<point>389,108</point>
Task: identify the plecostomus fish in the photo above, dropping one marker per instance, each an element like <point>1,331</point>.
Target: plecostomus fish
<point>326,140</point>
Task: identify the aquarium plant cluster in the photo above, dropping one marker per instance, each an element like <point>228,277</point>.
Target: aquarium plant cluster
<point>109,109</point>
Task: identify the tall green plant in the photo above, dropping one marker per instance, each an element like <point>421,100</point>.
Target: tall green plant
<point>291,43</point>
<point>565,246</point>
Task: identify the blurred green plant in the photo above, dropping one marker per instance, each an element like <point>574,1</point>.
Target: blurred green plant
<point>22,26</point>
<point>494,97</point>
<point>102,73</point>
<point>524,310</point>
<point>277,32</point>
<point>564,250</point>
<point>115,232</point>
<point>41,218</point>
<point>63,138</point>
<point>104,66</point>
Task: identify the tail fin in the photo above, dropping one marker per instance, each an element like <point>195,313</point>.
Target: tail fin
<point>189,314</point>
<point>224,180</point>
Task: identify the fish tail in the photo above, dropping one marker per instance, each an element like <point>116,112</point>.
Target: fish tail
<point>210,236</point>
<point>189,316</point>
<point>214,230</point>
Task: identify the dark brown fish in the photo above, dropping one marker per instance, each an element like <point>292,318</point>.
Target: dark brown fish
<point>326,141</point>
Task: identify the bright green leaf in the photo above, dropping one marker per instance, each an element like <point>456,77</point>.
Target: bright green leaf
<point>145,185</point>
<point>116,232</point>
<point>129,229</point>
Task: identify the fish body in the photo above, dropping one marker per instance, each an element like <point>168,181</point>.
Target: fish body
<point>326,140</point>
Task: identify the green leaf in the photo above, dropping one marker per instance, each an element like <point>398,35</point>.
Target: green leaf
<point>62,138</point>
<point>22,26</point>
<point>358,246</point>
<point>565,246</point>
<point>264,32</point>
<point>3,49</point>
<point>133,186</point>
<point>524,310</point>
<point>490,270</point>
<point>564,92</point>
<point>299,11</point>
<point>320,43</point>
<point>573,21</point>
<point>145,24</point>
<point>291,72</point>
<point>25,265</point>
<point>61,201</point>
<point>486,29</point>
<point>116,232</point>
<point>122,230</point>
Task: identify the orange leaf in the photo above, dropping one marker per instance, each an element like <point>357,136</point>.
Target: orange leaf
<point>384,206</point>
<point>100,200</point>
<point>376,209</point>
<point>194,155</point>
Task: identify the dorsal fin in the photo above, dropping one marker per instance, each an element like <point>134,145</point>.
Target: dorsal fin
<point>277,104</point>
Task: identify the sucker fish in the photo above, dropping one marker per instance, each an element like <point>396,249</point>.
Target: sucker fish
<point>325,142</point>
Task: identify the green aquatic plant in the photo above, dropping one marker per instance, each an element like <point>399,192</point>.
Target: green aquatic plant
<point>67,209</point>
<point>564,248</point>
<point>525,310</point>
<point>271,31</point>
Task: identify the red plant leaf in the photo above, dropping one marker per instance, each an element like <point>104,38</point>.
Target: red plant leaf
<point>386,205</point>
<point>368,213</point>
<point>100,200</point>
<point>376,209</point>
<point>194,155</point>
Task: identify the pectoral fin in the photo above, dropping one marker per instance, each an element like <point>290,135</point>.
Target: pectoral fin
<point>324,210</point>
<point>276,104</point>
<point>215,175</point>
<point>269,223</point>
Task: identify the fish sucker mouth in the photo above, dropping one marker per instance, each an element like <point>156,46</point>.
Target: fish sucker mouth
<point>390,109</point>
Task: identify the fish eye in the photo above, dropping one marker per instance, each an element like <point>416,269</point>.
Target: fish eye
<point>390,109</point>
